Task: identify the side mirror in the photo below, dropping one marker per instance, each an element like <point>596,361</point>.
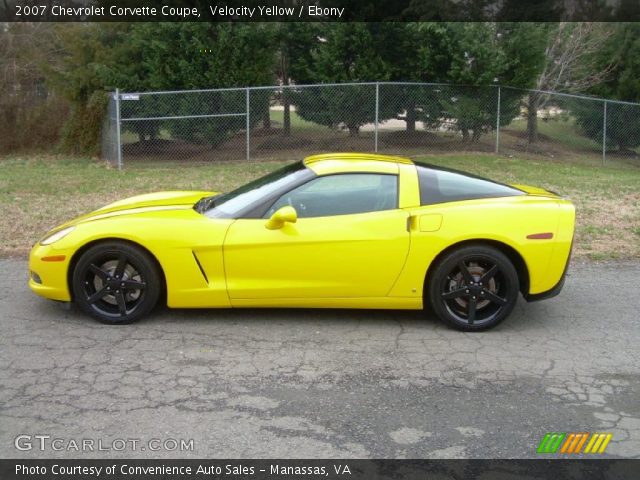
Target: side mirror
<point>282,216</point>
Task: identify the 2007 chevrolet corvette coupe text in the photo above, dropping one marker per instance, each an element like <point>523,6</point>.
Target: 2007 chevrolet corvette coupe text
<point>339,230</point>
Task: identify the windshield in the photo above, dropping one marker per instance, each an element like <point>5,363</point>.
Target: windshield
<point>244,198</point>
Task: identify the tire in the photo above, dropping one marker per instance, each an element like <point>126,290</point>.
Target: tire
<point>116,282</point>
<point>473,288</point>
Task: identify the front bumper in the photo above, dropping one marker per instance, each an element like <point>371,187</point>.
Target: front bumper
<point>47,277</point>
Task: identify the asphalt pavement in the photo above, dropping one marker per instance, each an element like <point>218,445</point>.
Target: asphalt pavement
<point>320,383</point>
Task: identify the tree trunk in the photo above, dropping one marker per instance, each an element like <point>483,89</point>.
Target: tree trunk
<point>465,135</point>
<point>286,127</point>
<point>476,135</point>
<point>411,117</point>
<point>354,130</point>
<point>532,118</point>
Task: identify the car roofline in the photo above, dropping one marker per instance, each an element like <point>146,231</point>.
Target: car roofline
<point>357,156</point>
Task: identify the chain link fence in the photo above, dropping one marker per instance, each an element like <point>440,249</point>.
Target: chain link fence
<point>111,148</point>
<point>290,122</point>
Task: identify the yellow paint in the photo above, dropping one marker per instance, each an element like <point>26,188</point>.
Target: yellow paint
<point>340,165</point>
<point>286,214</point>
<point>370,260</point>
<point>342,256</point>
<point>430,223</point>
<point>596,445</point>
<point>605,442</point>
<point>409,195</point>
<point>593,440</point>
<point>382,303</point>
<point>354,156</point>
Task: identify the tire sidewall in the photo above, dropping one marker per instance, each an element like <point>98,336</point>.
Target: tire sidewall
<point>448,263</point>
<point>145,265</point>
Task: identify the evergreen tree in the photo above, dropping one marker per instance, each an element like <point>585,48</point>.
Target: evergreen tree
<point>346,52</point>
<point>623,120</point>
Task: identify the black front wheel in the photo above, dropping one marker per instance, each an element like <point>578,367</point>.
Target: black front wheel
<point>473,288</point>
<point>116,282</point>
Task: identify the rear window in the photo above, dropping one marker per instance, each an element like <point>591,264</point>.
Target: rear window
<point>440,186</point>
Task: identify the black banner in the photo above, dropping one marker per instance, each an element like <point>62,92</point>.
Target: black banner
<point>315,469</point>
<point>317,10</point>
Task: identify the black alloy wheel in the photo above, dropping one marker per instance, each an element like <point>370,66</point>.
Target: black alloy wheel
<point>474,288</point>
<point>116,282</point>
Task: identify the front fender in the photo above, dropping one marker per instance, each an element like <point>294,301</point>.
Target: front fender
<point>171,237</point>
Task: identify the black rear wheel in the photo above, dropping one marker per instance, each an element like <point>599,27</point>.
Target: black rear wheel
<point>116,282</point>
<point>473,288</point>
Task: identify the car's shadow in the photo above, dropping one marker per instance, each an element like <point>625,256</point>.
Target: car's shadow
<point>524,317</point>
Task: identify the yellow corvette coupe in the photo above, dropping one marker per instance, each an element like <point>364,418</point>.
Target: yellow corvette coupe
<point>344,230</point>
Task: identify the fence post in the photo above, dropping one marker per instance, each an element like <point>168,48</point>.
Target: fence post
<point>498,123</point>
<point>248,115</point>
<point>118,133</point>
<point>377,113</point>
<point>604,133</point>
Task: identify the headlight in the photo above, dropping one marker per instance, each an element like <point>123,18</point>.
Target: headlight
<point>54,237</point>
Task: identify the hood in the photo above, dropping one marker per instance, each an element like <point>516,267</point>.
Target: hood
<point>149,201</point>
<point>156,199</point>
<point>536,191</point>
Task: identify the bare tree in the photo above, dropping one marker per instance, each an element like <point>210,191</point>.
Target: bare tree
<point>572,65</point>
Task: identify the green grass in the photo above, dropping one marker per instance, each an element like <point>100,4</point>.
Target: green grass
<point>297,123</point>
<point>562,130</point>
<point>564,178</point>
<point>39,192</point>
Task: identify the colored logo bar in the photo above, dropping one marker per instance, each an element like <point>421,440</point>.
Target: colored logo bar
<point>561,442</point>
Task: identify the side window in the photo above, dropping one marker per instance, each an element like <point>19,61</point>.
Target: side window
<point>341,194</point>
<point>440,186</point>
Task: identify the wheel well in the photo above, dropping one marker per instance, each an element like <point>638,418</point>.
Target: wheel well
<point>516,260</point>
<point>76,256</point>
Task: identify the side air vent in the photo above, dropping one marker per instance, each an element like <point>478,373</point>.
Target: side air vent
<point>204,275</point>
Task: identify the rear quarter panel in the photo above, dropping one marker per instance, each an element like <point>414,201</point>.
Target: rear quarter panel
<point>435,228</point>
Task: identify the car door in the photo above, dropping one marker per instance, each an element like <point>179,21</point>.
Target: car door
<point>349,240</point>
